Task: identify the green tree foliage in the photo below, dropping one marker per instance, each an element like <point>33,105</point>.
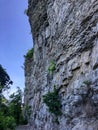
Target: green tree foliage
<point>6,121</point>
<point>15,106</point>
<point>5,80</point>
<point>10,110</point>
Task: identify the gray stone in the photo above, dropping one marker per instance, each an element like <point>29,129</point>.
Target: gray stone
<point>95,99</point>
<point>66,32</point>
<point>77,99</point>
<point>47,32</point>
<point>94,88</point>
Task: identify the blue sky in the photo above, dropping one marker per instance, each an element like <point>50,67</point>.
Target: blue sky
<point>15,38</point>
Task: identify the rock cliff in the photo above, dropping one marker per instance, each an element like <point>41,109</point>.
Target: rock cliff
<point>65,34</point>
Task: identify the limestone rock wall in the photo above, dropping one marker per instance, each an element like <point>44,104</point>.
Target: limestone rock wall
<point>66,32</point>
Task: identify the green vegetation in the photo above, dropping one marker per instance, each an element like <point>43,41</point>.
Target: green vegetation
<point>51,99</point>
<point>27,112</point>
<point>7,122</point>
<point>15,106</point>
<point>51,68</point>
<point>87,82</point>
<point>10,110</point>
<point>29,54</point>
<point>5,80</point>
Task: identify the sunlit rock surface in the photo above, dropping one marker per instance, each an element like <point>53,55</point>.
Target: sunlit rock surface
<point>66,32</point>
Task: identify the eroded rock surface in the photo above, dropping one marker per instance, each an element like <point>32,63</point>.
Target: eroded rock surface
<point>66,32</point>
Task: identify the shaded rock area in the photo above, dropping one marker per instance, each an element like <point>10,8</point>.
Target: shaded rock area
<point>23,127</point>
<point>65,32</point>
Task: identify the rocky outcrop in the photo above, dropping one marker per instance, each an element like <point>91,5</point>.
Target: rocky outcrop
<point>65,32</point>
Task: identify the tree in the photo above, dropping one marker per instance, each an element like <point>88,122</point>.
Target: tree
<point>6,121</point>
<point>16,106</point>
<point>5,83</point>
<point>5,80</point>
<point>10,110</point>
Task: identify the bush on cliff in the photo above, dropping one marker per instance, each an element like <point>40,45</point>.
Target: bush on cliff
<point>29,54</point>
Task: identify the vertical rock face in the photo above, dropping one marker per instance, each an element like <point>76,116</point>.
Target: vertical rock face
<point>65,32</point>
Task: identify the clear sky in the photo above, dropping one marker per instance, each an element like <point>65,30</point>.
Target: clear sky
<point>15,38</point>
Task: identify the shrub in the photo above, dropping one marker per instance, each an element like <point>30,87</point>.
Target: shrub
<point>29,54</point>
<point>51,68</point>
<point>51,99</point>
